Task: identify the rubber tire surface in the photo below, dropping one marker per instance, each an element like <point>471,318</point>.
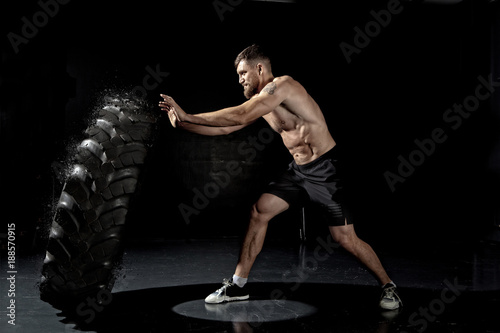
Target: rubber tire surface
<point>85,241</point>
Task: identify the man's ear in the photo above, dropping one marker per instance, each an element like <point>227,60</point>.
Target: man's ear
<point>260,68</point>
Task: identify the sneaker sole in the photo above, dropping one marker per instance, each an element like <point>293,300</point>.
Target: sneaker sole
<point>226,299</point>
<point>395,307</point>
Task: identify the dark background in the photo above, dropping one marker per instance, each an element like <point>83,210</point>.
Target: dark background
<point>394,91</point>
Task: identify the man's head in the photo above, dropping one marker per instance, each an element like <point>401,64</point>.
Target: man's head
<point>254,69</point>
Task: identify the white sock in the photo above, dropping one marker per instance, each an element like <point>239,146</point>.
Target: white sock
<point>390,283</point>
<point>239,281</point>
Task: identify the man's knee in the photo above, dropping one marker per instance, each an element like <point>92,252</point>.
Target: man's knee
<point>258,217</point>
<point>346,243</point>
<point>267,207</point>
<point>346,240</point>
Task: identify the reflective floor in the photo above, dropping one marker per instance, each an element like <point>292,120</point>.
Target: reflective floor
<point>313,287</point>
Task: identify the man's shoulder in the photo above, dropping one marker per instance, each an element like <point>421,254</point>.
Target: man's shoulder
<point>284,78</point>
<point>288,82</point>
<point>290,85</point>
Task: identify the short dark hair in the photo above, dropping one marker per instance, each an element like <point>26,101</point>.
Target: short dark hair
<point>252,53</point>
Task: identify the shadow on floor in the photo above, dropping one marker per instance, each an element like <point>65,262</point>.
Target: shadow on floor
<point>282,307</point>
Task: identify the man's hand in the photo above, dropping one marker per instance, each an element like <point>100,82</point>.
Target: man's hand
<point>175,113</point>
<point>173,119</point>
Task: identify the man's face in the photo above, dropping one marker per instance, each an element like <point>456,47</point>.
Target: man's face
<point>248,78</point>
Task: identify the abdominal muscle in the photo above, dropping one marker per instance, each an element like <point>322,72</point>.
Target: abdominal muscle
<point>303,128</point>
<point>307,144</point>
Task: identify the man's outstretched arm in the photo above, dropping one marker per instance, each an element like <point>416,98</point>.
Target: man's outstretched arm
<point>210,130</point>
<point>200,129</point>
<point>266,101</point>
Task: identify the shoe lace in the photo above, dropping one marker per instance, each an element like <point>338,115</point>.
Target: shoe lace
<point>390,293</point>
<point>225,283</point>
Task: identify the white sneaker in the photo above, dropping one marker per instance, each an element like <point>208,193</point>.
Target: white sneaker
<point>390,299</point>
<point>229,292</point>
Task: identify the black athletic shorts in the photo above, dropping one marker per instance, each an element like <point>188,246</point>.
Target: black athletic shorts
<point>317,182</point>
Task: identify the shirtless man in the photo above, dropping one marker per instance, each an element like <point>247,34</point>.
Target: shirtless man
<point>291,112</point>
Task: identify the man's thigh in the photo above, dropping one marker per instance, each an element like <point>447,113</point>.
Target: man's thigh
<point>270,205</point>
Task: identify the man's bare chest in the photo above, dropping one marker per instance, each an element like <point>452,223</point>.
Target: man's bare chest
<point>281,119</point>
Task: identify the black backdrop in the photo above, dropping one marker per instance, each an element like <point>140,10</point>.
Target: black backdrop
<point>395,90</point>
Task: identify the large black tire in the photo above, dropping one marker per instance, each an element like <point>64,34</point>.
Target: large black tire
<point>85,241</point>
